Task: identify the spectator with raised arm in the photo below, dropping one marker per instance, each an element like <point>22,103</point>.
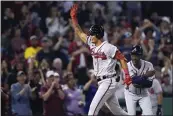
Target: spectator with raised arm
<point>46,52</point>
<point>89,90</point>
<point>79,51</point>
<point>54,23</point>
<point>35,83</point>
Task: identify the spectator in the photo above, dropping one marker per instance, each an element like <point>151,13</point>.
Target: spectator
<point>79,52</point>
<point>166,38</point>
<point>18,44</point>
<point>46,52</point>
<point>19,66</point>
<point>9,18</point>
<point>54,23</point>
<point>73,102</point>
<point>99,16</point>
<point>50,51</point>
<point>44,66</point>
<point>21,93</point>
<point>133,8</point>
<point>164,27</point>
<point>84,13</point>
<point>4,99</point>
<point>39,33</point>
<point>52,96</point>
<point>36,102</point>
<point>5,39</point>
<point>166,74</point>
<point>67,5</point>
<point>4,88</point>
<point>89,90</point>
<point>24,11</point>
<point>147,42</point>
<point>167,70</point>
<point>155,18</point>
<point>31,51</point>
<point>114,7</point>
<point>57,65</point>
<point>4,75</point>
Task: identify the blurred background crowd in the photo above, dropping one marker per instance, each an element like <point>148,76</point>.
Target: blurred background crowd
<point>42,58</point>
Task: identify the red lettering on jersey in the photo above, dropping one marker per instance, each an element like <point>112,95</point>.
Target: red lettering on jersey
<point>98,55</point>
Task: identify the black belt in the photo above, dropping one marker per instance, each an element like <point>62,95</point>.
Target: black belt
<point>99,78</point>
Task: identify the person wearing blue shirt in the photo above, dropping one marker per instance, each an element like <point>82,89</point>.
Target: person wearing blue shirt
<point>89,90</point>
<point>20,96</point>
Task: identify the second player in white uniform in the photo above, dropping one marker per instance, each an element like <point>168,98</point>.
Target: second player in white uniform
<point>156,97</point>
<point>139,93</point>
<point>105,57</point>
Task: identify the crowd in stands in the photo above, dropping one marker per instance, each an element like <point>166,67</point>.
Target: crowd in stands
<point>46,69</point>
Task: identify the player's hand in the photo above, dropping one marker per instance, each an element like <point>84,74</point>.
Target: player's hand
<point>73,14</point>
<point>127,80</point>
<point>73,11</point>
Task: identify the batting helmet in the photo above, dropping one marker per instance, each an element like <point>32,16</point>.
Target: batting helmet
<point>96,30</point>
<point>137,50</point>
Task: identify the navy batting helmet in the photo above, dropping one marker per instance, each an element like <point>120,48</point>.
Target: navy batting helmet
<point>96,30</point>
<point>137,50</point>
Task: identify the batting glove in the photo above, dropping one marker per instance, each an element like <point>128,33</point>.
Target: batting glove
<point>73,13</point>
<point>127,80</point>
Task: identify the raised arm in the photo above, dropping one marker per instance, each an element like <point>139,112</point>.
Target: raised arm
<point>75,25</point>
<point>121,58</point>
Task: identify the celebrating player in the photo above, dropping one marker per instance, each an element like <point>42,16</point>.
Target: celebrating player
<point>105,57</point>
<point>142,73</point>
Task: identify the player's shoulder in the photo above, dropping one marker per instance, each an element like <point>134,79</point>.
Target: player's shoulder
<point>109,46</point>
<point>147,63</point>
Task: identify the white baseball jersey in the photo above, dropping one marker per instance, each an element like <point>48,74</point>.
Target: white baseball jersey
<point>103,61</point>
<point>133,71</point>
<point>154,91</point>
<point>104,64</point>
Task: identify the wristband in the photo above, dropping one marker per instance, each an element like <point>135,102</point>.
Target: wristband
<point>126,71</point>
<point>74,20</point>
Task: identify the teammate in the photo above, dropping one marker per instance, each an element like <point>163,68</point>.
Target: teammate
<point>156,97</point>
<point>105,57</point>
<point>142,73</point>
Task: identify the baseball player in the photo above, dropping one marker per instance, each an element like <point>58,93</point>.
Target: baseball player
<point>105,57</point>
<point>156,97</point>
<point>142,73</point>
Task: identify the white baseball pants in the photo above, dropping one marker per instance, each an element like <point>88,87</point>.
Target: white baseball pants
<point>106,94</point>
<point>144,102</point>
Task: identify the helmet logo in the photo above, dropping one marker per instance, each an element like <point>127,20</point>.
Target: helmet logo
<point>134,50</point>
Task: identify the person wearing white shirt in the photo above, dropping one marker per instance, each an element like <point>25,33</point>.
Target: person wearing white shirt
<point>156,97</point>
<point>54,24</point>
